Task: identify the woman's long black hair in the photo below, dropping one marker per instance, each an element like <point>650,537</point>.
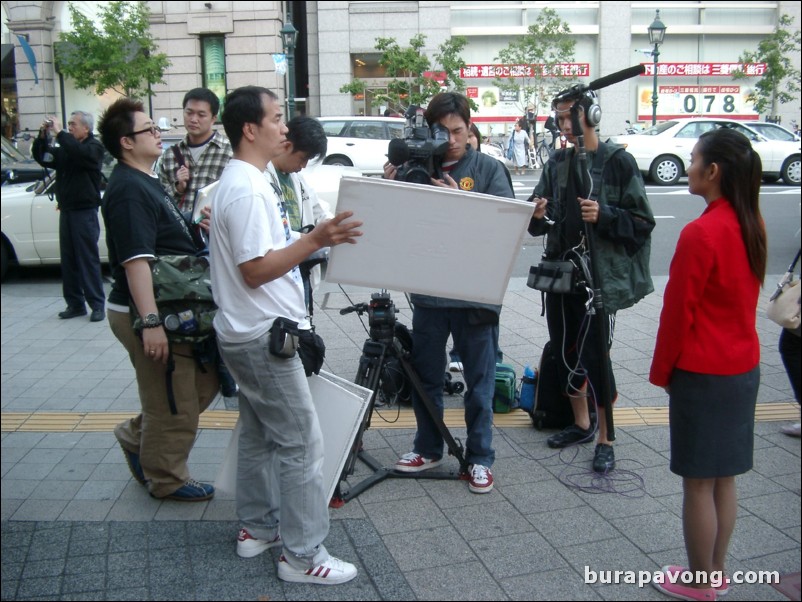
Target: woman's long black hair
<point>741,175</point>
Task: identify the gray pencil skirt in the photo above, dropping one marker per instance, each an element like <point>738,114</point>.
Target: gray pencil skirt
<point>712,423</point>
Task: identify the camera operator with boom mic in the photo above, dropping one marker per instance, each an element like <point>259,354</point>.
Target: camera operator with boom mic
<point>436,151</point>
<point>592,202</point>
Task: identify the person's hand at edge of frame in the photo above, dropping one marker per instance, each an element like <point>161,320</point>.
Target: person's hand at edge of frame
<point>337,230</point>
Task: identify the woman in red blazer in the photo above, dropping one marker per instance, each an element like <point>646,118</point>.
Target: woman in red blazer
<point>707,354</point>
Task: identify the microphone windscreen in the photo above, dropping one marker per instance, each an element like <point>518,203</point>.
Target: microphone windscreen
<point>397,152</point>
<point>618,76</point>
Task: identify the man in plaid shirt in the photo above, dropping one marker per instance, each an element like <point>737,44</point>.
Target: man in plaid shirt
<point>199,159</point>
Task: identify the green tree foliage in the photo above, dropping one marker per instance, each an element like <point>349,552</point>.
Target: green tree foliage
<point>541,50</point>
<point>780,82</point>
<point>406,66</point>
<point>116,54</point>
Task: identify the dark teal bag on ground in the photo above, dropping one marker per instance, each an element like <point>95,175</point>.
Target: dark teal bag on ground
<point>505,398</point>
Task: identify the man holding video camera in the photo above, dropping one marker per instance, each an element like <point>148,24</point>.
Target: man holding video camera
<point>473,326</point>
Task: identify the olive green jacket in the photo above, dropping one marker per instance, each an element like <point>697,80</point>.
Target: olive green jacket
<point>623,232</point>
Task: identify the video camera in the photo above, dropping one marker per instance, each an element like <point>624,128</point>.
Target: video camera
<point>381,317</point>
<point>418,153</point>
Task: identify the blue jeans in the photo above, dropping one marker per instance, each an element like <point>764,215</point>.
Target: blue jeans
<point>476,345</point>
<point>280,457</point>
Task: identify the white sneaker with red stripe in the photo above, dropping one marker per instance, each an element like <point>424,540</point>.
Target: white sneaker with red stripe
<point>249,546</point>
<point>331,572</point>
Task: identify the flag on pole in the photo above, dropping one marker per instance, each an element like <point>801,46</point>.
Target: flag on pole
<point>26,48</point>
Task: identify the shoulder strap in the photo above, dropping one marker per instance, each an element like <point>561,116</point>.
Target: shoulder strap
<point>179,158</point>
<point>596,171</point>
<point>794,262</point>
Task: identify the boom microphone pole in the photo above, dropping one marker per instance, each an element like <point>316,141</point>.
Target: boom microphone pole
<point>575,93</point>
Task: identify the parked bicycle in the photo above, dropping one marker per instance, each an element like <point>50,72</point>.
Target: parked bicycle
<point>540,154</point>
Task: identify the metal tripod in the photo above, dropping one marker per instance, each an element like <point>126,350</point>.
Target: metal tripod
<point>381,348</point>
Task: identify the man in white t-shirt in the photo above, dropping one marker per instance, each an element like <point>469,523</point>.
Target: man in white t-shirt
<point>255,278</point>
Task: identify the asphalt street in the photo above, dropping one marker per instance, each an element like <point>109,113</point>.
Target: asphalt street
<point>673,208</point>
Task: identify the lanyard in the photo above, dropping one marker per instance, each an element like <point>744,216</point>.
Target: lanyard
<point>281,207</point>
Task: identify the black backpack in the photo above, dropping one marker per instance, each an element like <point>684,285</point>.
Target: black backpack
<point>552,409</point>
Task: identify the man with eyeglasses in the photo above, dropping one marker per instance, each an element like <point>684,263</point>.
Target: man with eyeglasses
<point>198,159</point>
<point>175,383</point>
<point>77,157</point>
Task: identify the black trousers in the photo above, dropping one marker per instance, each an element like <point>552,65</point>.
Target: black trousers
<point>82,280</point>
<point>575,338</point>
<point>791,354</point>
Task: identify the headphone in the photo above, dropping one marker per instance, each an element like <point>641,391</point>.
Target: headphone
<point>587,99</point>
<point>590,104</point>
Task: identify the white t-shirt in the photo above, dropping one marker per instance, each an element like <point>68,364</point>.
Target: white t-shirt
<point>248,222</point>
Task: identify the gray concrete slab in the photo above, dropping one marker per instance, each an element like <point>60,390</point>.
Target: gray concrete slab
<point>75,525</point>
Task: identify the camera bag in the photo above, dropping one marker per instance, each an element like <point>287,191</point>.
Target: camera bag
<point>182,288</point>
<point>555,276</point>
<point>286,339</point>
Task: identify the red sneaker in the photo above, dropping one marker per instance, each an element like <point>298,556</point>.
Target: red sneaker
<point>480,479</point>
<point>413,462</point>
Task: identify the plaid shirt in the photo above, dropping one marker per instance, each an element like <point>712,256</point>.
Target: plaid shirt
<point>213,160</point>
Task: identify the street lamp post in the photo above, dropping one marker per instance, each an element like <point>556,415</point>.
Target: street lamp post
<point>289,35</point>
<point>657,32</point>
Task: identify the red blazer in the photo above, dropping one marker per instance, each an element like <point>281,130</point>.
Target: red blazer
<point>710,304</point>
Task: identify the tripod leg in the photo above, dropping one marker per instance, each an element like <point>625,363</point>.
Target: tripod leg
<point>454,448</point>
<point>368,375</point>
<point>374,356</point>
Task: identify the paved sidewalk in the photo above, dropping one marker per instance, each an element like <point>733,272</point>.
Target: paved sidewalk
<point>75,525</point>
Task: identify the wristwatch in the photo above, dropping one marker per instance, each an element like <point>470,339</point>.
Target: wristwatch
<point>151,321</point>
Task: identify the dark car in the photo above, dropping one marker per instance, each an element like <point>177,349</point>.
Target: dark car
<point>17,169</point>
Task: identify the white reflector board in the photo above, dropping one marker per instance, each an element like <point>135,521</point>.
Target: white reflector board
<point>340,406</point>
<point>429,240</point>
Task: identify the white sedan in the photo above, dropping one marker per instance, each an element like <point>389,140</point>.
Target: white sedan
<point>30,219</point>
<point>663,152</point>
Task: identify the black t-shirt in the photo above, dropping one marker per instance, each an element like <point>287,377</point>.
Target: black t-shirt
<point>141,220</point>
<point>573,227</point>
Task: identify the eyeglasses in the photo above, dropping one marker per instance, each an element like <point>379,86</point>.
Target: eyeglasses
<point>153,129</point>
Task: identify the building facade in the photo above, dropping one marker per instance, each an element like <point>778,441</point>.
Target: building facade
<point>224,45</point>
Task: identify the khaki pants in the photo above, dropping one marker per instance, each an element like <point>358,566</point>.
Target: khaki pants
<point>162,439</point>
